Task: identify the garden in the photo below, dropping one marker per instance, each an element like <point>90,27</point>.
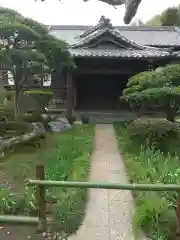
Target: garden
<point>150,146</point>
<point>29,55</point>
<point>65,157</point>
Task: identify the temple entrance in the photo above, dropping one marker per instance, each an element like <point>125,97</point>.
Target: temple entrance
<point>100,91</point>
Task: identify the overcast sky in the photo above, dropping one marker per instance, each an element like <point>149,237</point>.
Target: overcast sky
<point>77,12</point>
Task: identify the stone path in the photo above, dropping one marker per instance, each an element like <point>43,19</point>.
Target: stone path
<point>109,212</point>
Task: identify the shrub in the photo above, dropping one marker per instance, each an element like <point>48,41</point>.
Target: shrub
<point>155,216</point>
<point>9,129</point>
<point>155,211</point>
<point>6,114</point>
<point>34,117</point>
<point>158,89</point>
<point>156,133</point>
<point>41,96</point>
<point>19,126</point>
<point>84,120</point>
<point>149,210</point>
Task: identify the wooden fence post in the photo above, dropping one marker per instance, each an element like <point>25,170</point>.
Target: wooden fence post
<point>41,199</point>
<point>69,99</point>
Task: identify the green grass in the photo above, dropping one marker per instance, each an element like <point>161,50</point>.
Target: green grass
<point>155,211</point>
<point>21,164</point>
<point>66,157</point>
<point>15,197</point>
<point>69,160</point>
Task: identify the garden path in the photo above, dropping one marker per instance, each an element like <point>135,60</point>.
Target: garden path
<point>109,212</point>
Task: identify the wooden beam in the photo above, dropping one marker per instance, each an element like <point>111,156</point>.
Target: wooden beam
<point>107,71</point>
<point>69,95</point>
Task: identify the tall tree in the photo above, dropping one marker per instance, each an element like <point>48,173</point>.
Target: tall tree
<point>28,50</point>
<point>18,50</point>
<point>55,50</point>
<point>169,17</point>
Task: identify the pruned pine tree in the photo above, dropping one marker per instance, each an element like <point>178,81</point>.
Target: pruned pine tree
<point>18,51</point>
<point>158,90</point>
<point>29,51</point>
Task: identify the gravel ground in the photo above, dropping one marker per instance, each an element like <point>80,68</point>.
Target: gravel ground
<point>109,212</point>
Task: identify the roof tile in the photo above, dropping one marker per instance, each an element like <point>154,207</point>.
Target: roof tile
<point>92,52</point>
<point>142,35</point>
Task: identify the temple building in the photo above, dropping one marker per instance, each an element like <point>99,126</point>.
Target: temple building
<point>105,57</point>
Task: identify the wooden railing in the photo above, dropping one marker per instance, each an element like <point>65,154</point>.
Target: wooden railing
<point>41,184</point>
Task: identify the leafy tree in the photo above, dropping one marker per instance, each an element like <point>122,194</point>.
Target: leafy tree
<point>28,51</point>
<point>58,58</point>
<point>159,89</point>
<point>55,50</point>
<point>42,98</point>
<point>169,17</point>
<point>18,50</point>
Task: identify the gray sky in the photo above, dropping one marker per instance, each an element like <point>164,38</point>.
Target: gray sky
<point>78,12</point>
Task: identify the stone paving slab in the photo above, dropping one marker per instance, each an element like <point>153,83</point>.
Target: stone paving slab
<point>109,212</point>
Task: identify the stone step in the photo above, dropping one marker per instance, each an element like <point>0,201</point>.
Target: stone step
<point>105,119</point>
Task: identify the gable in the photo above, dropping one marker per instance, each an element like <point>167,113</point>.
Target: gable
<point>104,34</point>
<point>108,38</point>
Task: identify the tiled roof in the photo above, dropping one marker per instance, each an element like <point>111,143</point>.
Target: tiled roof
<point>154,37</point>
<point>121,53</point>
<point>143,35</point>
<point>113,32</point>
<point>105,40</point>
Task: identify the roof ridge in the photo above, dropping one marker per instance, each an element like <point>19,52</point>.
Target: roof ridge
<point>127,28</point>
<point>146,28</point>
<point>68,27</point>
<point>102,24</point>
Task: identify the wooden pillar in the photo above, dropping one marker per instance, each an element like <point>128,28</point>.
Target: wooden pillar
<point>69,95</point>
<point>74,91</point>
<point>75,96</point>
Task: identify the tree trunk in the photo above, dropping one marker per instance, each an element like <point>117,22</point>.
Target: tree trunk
<point>18,92</point>
<point>16,103</point>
